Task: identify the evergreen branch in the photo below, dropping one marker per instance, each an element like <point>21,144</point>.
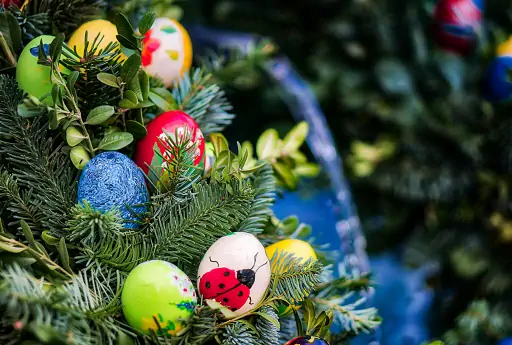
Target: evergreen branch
<point>294,280</point>
<point>31,25</point>
<point>76,309</point>
<point>19,202</point>
<point>203,101</point>
<point>268,330</point>
<point>103,240</point>
<point>182,235</point>
<point>352,320</point>
<point>265,186</point>
<point>35,159</point>
<point>201,327</point>
<point>288,328</point>
<point>239,333</point>
<point>179,173</point>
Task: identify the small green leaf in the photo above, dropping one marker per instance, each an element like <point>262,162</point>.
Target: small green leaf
<point>266,147</point>
<point>11,31</point>
<point>127,104</point>
<point>100,114</point>
<point>285,174</point>
<point>124,28</point>
<point>10,248</point>
<point>27,112</point>
<point>269,319</point>
<point>144,84</point>
<point>79,156</point>
<point>29,236</point>
<point>115,141</point>
<point>136,128</point>
<point>308,310</point>
<point>163,99</point>
<point>64,255</point>
<point>219,143</point>
<point>74,136</point>
<point>127,44</point>
<point>130,68</point>
<point>146,22</point>
<point>72,78</point>
<point>134,86</point>
<point>131,96</point>
<point>108,79</point>
<point>49,239</point>
<point>56,47</point>
<point>307,170</point>
<point>295,138</point>
<point>56,90</point>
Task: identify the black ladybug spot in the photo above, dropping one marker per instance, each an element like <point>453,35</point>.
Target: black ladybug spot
<point>234,309</point>
<point>225,300</point>
<point>226,273</point>
<point>240,293</point>
<point>208,285</point>
<point>221,286</point>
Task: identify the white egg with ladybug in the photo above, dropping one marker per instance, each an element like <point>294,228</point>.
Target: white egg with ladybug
<point>234,274</point>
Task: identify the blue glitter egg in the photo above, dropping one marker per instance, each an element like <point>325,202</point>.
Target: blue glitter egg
<point>505,341</point>
<point>112,180</point>
<point>498,85</point>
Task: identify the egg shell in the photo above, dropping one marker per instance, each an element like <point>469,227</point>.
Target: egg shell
<point>32,78</point>
<point>158,289</point>
<point>223,266</point>
<point>456,23</point>
<point>307,340</point>
<point>505,49</point>
<point>299,249</point>
<point>497,85</point>
<point>169,122</point>
<point>111,180</point>
<point>167,50</point>
<point>106,29</point>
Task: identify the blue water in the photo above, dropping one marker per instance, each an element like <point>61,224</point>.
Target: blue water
<point>401,294</point>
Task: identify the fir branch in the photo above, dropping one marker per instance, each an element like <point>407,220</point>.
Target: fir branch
<point>239,333</point>
<point>77,308</point>
<point>201,327</point>
<point>203,101</point>
<point>18,202</point>
<point>294,280</point>
<point>265,186</point>
<point>268,330</point>
<point>103,240</point>
<point>182,235</point>
<point>288,329</point>
<point>35,160</point>
<point>352,320</point>
<point>31,25</point>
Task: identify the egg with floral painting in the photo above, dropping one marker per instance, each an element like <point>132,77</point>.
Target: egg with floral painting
<point>158,296</point>
<point>234,274</point>
<point>166,50</point>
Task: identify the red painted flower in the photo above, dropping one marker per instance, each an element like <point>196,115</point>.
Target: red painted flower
<point>149,46</point>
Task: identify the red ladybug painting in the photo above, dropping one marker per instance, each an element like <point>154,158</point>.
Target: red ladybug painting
<point>234,274</point>
<point>229,288</point>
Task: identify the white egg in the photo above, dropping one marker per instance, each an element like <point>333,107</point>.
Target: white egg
<point>167,50</point>
<point>234,274</point>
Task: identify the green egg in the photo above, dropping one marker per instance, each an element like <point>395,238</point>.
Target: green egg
<point>32,78</point>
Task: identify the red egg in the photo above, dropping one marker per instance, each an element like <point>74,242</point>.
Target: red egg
<point>171,122</point>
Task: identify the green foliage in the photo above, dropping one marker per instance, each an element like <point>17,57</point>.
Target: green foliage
<point>239,333</point>
<point>268,326</point>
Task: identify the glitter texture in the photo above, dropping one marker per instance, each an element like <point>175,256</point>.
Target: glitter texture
<point>110,180</point>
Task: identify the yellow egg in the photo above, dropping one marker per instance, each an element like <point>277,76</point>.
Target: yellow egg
<point>93,28</point>
<point>299,249</point>
<point>505,49</point>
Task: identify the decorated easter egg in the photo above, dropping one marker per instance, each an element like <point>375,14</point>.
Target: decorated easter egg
<point>299,249</point>
<point>497,84</point>
<point>169,123</point>
<point>104,28</point>
<point>456,24</point>
<point>307,340</point>
<point>112,180</point>
<point>234,274</point>
<point>158,290</point>
<point>8,3</point>
<point>505,48</point>
<point>33,78</point>
<point>166,50</point>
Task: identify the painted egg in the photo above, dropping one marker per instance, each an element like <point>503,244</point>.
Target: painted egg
<point>166,50</point>
<point>171,122</point>
<point>308,339</point>
<point>158,291</point>
<point>505,49</point>
<point>106,29</point>
<point>32,78</point>
<point>497,84</point>
<point>299,249</point>
<point>112,180</point>
<point>234,274</point>
<point>456,24</point>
